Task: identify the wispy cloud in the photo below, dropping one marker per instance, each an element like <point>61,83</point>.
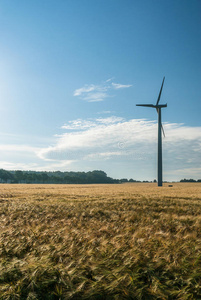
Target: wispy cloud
<point>8,165</point>
<point>95,96</point>
<point>59,165</point>
<point>120,86</point>
<point>97,136</point>
<point>114,144</point>
<point>96,93</point>
<point>25,157</point>
<point>18,148</point>
<point>105,112</point>
<point>80,124</point>
<point>117,139</point>
<point>85,89</point>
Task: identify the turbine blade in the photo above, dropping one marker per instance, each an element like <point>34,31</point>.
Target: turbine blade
<point>163,130</point>
<point>159,96</point>
<point>147,105</point>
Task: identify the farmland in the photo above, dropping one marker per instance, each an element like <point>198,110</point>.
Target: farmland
<point>126,241</point>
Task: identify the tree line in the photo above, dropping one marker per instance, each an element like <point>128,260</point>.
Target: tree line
<point>59,177</point>
<point>190,180</point>
<point>56,177</point>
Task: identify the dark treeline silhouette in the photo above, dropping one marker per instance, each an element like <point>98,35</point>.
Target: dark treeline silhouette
<point>57,177</point>
<point>190,180</point>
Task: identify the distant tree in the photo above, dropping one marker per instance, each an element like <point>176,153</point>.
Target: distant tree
<point>6,176</point>
<point>187,180</point>
<point>19,176</point>
<point>124,180</point>
<point>45,177</point>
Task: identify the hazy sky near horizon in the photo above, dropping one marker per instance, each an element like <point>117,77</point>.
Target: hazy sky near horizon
<point>72,72</point>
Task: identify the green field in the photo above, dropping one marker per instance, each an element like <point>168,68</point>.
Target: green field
<point>126,241</point>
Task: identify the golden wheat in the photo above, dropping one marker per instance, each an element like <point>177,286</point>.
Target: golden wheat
<point>128,241</point>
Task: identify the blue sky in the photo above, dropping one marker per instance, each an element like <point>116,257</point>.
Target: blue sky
<point>72,72</point>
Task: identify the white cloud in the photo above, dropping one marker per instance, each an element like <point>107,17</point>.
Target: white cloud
<point>109,120</point>
<point>61,165</point>
<point>102,155</point>
<point>118,146</point>
<point>120,86</point>
<point>85,89</point>
<point>102,135</point>
<point>133,141</point>
<point>96,93</point>
<point>95,97</point>
<point>105,112</point>
<point>110,79</point>
<point>181,173</point>
<point>18,148</point>
<point>180,131</point>
<point>7,165</point>
<point>80,124</point>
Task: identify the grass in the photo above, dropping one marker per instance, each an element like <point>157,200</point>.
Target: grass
<point>129,241</point>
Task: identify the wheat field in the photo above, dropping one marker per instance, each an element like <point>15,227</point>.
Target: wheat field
<point>126,241</point>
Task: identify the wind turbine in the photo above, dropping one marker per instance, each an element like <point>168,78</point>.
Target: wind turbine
<point>160,129</point>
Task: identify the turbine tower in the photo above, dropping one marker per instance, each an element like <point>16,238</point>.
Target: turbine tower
<point>160,129</point>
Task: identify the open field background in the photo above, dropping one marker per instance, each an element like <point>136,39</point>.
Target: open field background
<point>128,241</point>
